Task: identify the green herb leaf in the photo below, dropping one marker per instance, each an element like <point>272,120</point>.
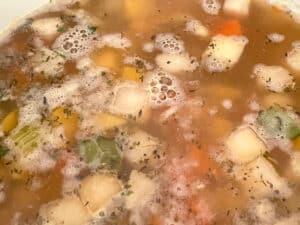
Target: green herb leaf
<point>3,151</point>
<point>276,121</point>
<point>92,29</point>
<point>100,152</point>
<point>61,29</point>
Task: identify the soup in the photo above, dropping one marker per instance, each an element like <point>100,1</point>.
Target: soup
<point>147,112</point>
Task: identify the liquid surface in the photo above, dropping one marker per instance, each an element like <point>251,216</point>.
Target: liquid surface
<point>151,112</point>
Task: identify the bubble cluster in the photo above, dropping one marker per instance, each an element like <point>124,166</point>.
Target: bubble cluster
<point>163,89</point>
<point>76,42</point>
<point>211,7</point>
<point>169,43</point>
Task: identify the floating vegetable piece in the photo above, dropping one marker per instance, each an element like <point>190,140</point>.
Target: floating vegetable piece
<point>100,152</point>
<point>131,73</point>
<point>68,119</point>
<point>276,121</point>
<point>108,121</point>
<point>26,139</point>
<point>10,122</point>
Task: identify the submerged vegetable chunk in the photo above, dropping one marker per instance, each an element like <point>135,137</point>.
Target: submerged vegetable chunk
<point>274,78</point>
<point>10,122</point>
<point>244,145</point>
<point>97,190</point>
<point>277,123</point>
<point>223,53</point>
<point>100,152</point>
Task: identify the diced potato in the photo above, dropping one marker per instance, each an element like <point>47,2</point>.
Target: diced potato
<point>129,99</point>
<point>274,78</point>
<point>108,121</point>
<point>140,149</point>
<point>10,122</point>
<point>131,73</point>
<point>260,179</point>
<point>244,146</point>
<point>68,119</point>
<point>223,53</point>
<point>97,190</point>
<point>196,28</point>
<point>176,63</point>
<point>293,56</point>
<point>237,7</point>
<point>47,28</point>
<point>142,190</point>
<point>109,58</point>
<point>67,211</point>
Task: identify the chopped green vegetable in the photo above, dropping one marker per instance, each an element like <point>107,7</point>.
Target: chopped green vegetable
<point>276,121</point>
<point>3,151</point>
<point>61,29</point>
<point>100,152</point>
<point>26,139</point>
<point>92,29</point>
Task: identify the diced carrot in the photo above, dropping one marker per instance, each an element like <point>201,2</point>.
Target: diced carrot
<point>154,220</point>
<point>230,27</point>
<point>60,164</point>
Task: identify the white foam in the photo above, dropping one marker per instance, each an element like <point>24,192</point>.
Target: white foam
<point>176,63</point>
<point>138,62</point>
<point>114,41</point>
<point>77,42</point>
<point>227,104</point>
<point>148,47</point>
<point>197,28</point>
<point>169,43</point>
<point>47,62</point>
<point>276,37</point>
<point>163,89</point>
<point>211,7</point>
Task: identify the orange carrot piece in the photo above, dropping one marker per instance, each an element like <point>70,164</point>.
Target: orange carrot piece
<point>154,220</point>
<point>230,27</point>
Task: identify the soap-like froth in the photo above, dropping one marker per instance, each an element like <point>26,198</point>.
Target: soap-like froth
<point>169,43</point>
<point>211,7</point>
<point>163,89</point>
<point>77,42</point>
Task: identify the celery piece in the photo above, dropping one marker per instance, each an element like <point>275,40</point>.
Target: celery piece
<point>26,139</point>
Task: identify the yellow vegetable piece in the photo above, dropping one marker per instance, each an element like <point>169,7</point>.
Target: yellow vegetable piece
<point>296,143</point>
<point>68,119</point>
<point>137,8</point>
<point>107,121</point>
<point>109,58</point>
<point>131,73</point>
<point>10,122</point>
